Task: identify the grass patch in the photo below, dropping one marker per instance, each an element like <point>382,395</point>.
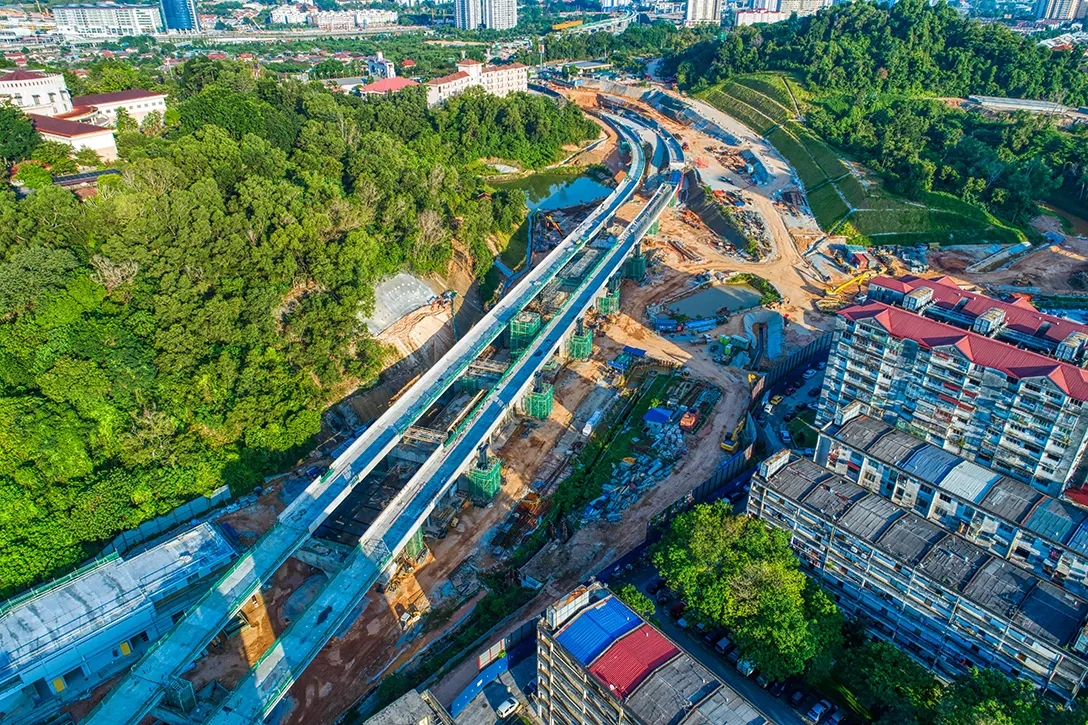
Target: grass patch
<point>513,254</point>
<point>768,107</point>
<point>825,157</point>
<point>739,110</point>
<point>771,85</point>
<point>827,206</point>
<point>808,171</point>
<point>803,435</point>
<point>855,193</point>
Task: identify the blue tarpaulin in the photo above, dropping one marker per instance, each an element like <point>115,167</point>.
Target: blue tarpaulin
<point>634,351</point>
<point>657,415</point>
<point>487,675</point>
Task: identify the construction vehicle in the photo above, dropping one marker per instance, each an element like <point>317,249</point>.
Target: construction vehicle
<point>856,279</point>
<point>732,439</point>
<point>555,226</point>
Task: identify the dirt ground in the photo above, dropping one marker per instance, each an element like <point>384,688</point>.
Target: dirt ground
<point>1046,267</point>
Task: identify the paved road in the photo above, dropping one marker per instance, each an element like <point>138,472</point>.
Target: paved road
<point>772,708</point>
<point>776,421</point>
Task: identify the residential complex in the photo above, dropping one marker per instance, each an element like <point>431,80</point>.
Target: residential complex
<point>1060,9</point>
<point>790,7</point>
<point>412,708</point>
<point>703,11</point>
<point>598,662</point>
<point>288,15</point>
<point>498,80</point>
<point>351,19</point>
<point>180,15</point>
<point>107,20</point>
<point>943,599</point>
<point>1006,517</point>
<point>490,14</point>
<point>42,93</point>
<point>64,638</point>
<point>997,382</point>
<point>101,108</point>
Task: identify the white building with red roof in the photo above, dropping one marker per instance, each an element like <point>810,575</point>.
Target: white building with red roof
<point>497,80</point>
<point>1000,383</point>
<point>101,108</point>
<point>77,135</point>
<point>35,92</point>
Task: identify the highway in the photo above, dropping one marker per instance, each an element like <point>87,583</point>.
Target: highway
<point>142,687</point>
<point>277,670</point>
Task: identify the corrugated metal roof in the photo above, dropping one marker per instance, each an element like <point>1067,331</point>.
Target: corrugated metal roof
<point>671,691</point>
<point>596,627</point>
<point>929,463</point>
<point>968,480</point>
<point>870,517</point>
<point>909,538</point>
<point>631,659</point>
<point>1055,520</point>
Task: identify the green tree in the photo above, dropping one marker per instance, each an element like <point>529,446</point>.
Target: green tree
<point>987,697</point>
<point>18,139</point>
<point>639,603</point>
<point>33,175</point>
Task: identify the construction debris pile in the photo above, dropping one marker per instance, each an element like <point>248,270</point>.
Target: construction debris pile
<point>633,476</point>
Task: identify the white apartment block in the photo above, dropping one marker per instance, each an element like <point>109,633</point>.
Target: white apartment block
<point>372,18</point>
<point>497,80</point>
<point>59,641</point>
<point>944,600</point>
<point>42,93</point>
<point>101,109</point>
<point>467,14</point>
<point>802,7</point>
<point>500,14</point>
<point>703,11</point>
<point>108,20</point>
<point>999,383</point>
<point>288,15</point>
<point>352,19</point>
<point>1005,517</point>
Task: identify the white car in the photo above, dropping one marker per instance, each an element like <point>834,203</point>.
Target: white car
<point>508,707</point>
<point>810,373</point>
<point>818,711</point>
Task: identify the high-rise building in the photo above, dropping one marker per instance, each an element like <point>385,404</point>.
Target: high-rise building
<point>944,600</point>
<point>467,14</point>
<point>599,662</point>
<point>803,7</point>
<point>107,20</point>
<point>500,14</point>
<point>1060,9</point>
<point>703,11</point>
<point>180,15</point>
<point>999,383</point>
<point>1007,518</point>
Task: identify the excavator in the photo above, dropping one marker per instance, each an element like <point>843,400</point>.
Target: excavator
<point>856,279</point>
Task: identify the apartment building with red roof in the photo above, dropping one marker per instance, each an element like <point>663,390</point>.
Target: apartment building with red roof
<point>996,382</point>
<point>497,80</point>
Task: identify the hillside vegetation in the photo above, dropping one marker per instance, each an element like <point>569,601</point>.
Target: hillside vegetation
<point>186,327</point>
<point>866,80</point>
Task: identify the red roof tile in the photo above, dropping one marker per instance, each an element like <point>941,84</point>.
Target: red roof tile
<point>508,66</point>
<point>99,98</point>
<point>388,85</point>
<point>1020,315</point>
<point>60,127</point>
<point>631,659</point>
<point>979,349</point>
<point>448,79</point>
<point>468,61</point>
<point>21,75</point>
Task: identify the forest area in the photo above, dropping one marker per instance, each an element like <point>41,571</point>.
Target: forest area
<point>186,327</point>
<point>874,78</point>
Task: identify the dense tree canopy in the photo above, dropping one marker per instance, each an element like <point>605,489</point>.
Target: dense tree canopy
<point>735,572</point>
<point>186,327</point>
<point>908,48</point>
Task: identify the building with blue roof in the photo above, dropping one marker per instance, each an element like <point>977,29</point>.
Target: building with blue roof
<point>1007,518</point>
<point>656,417</point>
<point>595,628</point>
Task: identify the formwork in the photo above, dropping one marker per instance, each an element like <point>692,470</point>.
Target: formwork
<point>523,329</point>
<point>609,304</point>
<point>654,228</point>
<point>485,480</point>
<point>581,346</point>
<point>539,403</point>
<point>635,268</point>
<point>415,545</point>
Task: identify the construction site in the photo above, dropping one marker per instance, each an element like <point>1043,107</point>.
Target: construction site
<point>626,418</point>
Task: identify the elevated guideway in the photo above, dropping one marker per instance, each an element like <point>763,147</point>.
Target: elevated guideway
<point>255,696</point>
<point>143,686</point>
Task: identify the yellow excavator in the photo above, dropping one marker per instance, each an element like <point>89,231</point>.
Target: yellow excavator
<point>856,279</point>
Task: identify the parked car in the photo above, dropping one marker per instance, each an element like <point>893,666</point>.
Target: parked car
<point>769,407</point>
<point>814,393</point>
<point>724,646</point>
<point>776,689</point>
<point>678,610</point>
<point>508,707</point>
<point>777,399</point>
<point>763,681</point>
<point>797,698</point>
<point>810,373</point>
<point>655,586</point>
<point>786,437</point>
<point>663,596</point>
<point>821,365</point>
<point>745,667</point>
<point>837,717</point>
<point>791,389</point>
<point>817,711</point>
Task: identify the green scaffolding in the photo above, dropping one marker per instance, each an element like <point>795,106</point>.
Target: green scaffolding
<point>581,346</point>
<point>485,481</point>
<point>415,545</point>
<point>609,304</point>
<point>539,404</point>
<point>654,228</point>
<point>523,329</point>
<point>636,267</point>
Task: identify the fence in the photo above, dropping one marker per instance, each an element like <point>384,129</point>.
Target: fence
<point>817,348</point>
<point>160,524</point>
